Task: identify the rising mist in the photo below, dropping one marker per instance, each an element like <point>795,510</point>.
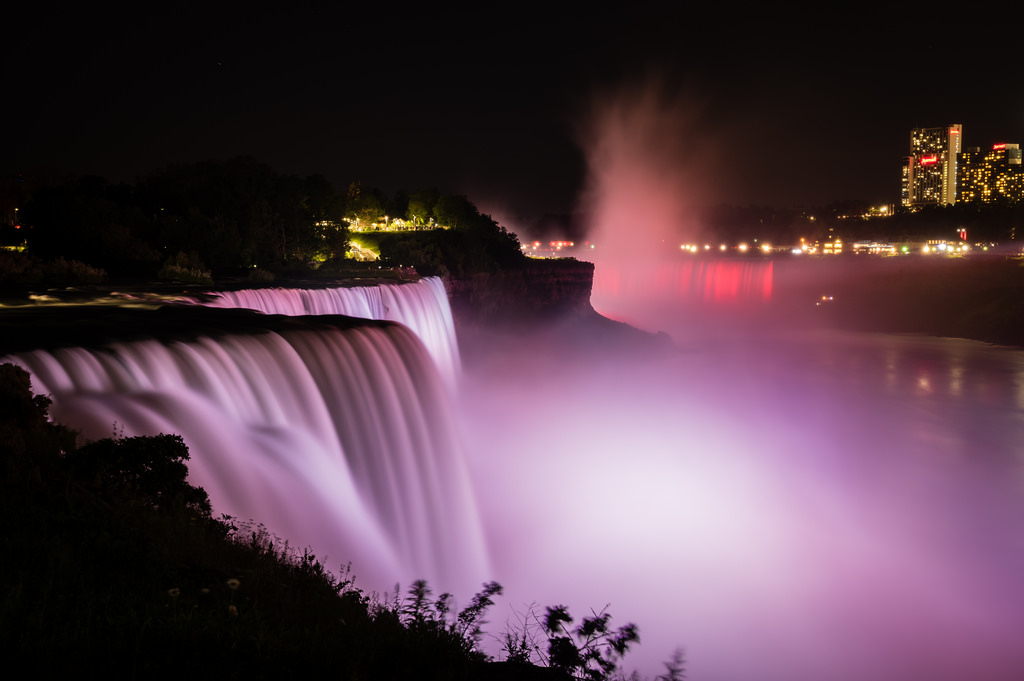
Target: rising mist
<point>786,504</point>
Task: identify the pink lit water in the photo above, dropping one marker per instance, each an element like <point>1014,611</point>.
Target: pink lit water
<point>782,504</point>
<point>821,507</point>
<point>786,504</point>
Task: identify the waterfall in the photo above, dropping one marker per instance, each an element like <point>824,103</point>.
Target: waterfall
<point>698,281</point>
<point>422,306</point>
<point>342,440</point>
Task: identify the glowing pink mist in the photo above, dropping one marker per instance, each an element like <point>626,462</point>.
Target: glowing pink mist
<point>786,506</point>
<point>650,173</point>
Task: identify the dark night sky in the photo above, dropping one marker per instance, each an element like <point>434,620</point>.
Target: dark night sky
<point>781,107</point>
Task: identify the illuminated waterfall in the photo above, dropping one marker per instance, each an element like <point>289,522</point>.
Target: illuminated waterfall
<point>695,281</point>
<point>422,306</point>
<point>343,440</point>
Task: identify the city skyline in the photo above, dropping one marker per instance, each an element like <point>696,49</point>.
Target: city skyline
<point>942,170</point>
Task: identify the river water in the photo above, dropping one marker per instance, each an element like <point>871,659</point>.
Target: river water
<point>782,503</point>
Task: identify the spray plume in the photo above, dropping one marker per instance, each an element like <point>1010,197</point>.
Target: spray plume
<point>652,169</point>
<point>647,172</point>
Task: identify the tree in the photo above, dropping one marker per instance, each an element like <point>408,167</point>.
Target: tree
<point>27,438</point>
<point>148,471</point>
<point>363,204</point>
<point>420,208</point>
<point>455,211</point>
<point>675,669</point>
<point>239,213</point>
<point>86,220</point>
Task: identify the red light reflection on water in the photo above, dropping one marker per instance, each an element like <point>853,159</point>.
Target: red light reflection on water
<point>698,281</point>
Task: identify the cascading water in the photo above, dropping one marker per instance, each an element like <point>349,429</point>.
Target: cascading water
<point>639,292</point>
<point>691,280</point>
<point>422,306</point>
<point>343,440</point>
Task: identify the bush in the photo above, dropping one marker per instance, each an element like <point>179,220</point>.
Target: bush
<point>140,471</point>
<point>20,268</point>
<point>591,651</point>
<point>186,268</point>
<point>61,271</point>
<point>259,276</point>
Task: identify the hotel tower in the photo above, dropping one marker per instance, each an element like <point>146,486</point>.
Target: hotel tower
<point>930,172</point>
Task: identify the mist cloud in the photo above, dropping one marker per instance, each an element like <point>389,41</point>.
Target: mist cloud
<point>650,167</point>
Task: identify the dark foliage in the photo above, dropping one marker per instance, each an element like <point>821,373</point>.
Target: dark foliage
<point>234,216</point>
<point>89,221</point>
<point>240,216</point>
<point>140,471</point>
<point>27,438</point>
<point>452,252</point>
<point>591,651</point>
<point>114,564</point>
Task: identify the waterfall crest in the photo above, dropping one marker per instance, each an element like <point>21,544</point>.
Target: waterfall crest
<point>343,440</point>
<point>422,306</point>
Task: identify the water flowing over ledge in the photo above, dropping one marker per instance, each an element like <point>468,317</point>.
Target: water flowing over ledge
<point>336,433</point>
<point>422,306</point>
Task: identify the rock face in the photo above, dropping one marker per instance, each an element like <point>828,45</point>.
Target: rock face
<point>544,305</point>
<point>539,292</point>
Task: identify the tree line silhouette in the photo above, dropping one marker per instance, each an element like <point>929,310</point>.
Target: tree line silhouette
<point>237,216</point>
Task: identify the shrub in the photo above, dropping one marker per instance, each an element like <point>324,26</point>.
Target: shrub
<point>591,651</point>
<point>260,276</point>
<point>20,268</point>
<point>186,268</point>
<point>61,271</point>
<point>146,471</point>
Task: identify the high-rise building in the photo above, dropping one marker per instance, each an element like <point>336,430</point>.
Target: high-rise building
<point>991,174</point>
<point>930,171</point>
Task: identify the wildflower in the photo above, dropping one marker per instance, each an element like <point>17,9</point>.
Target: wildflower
<point>233,583</point>
<point>174,593</point>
